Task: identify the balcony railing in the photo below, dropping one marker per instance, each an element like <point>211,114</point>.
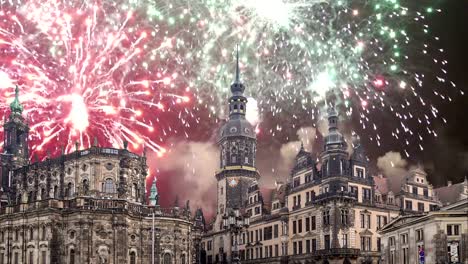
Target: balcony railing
<point>339,194</point>
<point>87,203</point>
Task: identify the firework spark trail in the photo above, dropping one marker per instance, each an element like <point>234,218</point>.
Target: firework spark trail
<point>76,64</point>
<point>127,69</point>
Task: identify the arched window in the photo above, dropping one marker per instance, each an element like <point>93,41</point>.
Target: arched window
<point>43,194</point>
<point>167,258</point>
<point>182,259</point>
<point>72,256</point>
<point>31,234</point>
<point>108,186</point>
<point>44,233</point>
<point>132,257</point>
<point>242,107</point>
<point>30,197</point>
<point>70,190</point>
<point>134,191</point>
<point>235,107</point>
<point>56,193</point>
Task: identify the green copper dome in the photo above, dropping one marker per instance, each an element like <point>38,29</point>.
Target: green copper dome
<point>16,106</point>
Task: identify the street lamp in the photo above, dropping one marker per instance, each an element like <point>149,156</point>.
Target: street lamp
<point>234,222</point>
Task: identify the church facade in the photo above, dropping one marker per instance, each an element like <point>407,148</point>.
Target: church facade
<point>330,210</point>
<point>87,206</point>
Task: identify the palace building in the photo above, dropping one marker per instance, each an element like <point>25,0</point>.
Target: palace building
<point>330,210</point>
<point>87,206</point>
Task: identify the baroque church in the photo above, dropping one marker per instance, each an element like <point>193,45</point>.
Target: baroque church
<point>87,206</point>
<point>330,210</point>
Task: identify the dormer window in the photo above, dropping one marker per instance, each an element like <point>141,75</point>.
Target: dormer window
<point>360,172</point>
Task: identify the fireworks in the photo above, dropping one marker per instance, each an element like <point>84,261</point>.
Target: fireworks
<point>143,71</point>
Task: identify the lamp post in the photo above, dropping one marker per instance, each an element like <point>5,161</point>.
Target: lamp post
<point>234,222</point>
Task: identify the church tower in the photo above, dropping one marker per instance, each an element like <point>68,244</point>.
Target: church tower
<point>237,143</point>
<point>15,145</point>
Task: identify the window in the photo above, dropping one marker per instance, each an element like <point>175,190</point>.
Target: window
<point>362,221</point>
<point>420,207</point>
<point>344,240</point>
<point>167,258</point>
<point>108,186</point>
<point>294,248</point>
<point>257,210</point>
<point>70,190</point>
<point>299,243</point>
<point>296,182</point>
<point>415,190</point>
<point>360,172</point>
<point>314,225</point>
<point>31,257</point>
<point>426,192</point>
<point>16,258</point>
<point>419,235</point>
<point>72,256</point>
<point>133,258</point>
<point>409,205</point>
<point>326,217</point>
<point>366,243</point>
<point>308,177</point>
<point>404,239</point>
<point>182,259</point>
<point>314,245</point>
<point>31,234</point>
<point>453,230</point>
<point>276,251</point>
<point>294,227</point>
<point>327,241</point>
<point>268,233</point>
<point>221,190</point>
<point>366,194</point>
<point>307,246</point>
<point>44,233</point>
<point>405,256</point>
<point>299,225</point>
<point>379,246</point>
<point>391,241</point>
<point>344,216</point>
<point>275,231</point>
<point>307,224</point>
<point>209,245</point>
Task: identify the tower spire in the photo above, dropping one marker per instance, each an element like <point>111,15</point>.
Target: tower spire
<point>237,88</point>
<point>237,65</point>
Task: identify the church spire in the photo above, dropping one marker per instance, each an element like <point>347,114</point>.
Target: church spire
<point>16,106</point>
<point>237,65</point>
<point>237,88</point>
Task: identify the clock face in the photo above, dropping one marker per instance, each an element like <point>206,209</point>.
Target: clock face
<point>233,182</point>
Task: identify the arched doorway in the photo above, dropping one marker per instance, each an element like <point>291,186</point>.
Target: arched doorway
<point>167,258</point>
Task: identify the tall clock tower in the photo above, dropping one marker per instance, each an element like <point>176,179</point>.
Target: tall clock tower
<point>15,146</point>
<point>237,143</point>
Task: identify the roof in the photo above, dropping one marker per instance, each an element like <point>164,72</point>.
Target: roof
<point>381,184</point>
<point>450,194</point>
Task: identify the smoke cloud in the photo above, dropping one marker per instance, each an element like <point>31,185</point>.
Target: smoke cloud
<point>288,151</point>
<point>187,171</point>
<point>394,167</point>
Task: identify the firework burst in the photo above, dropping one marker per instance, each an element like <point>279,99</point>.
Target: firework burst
<point>141,71</point>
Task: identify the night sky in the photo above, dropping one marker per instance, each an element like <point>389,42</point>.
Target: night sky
<point>444,158</point>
